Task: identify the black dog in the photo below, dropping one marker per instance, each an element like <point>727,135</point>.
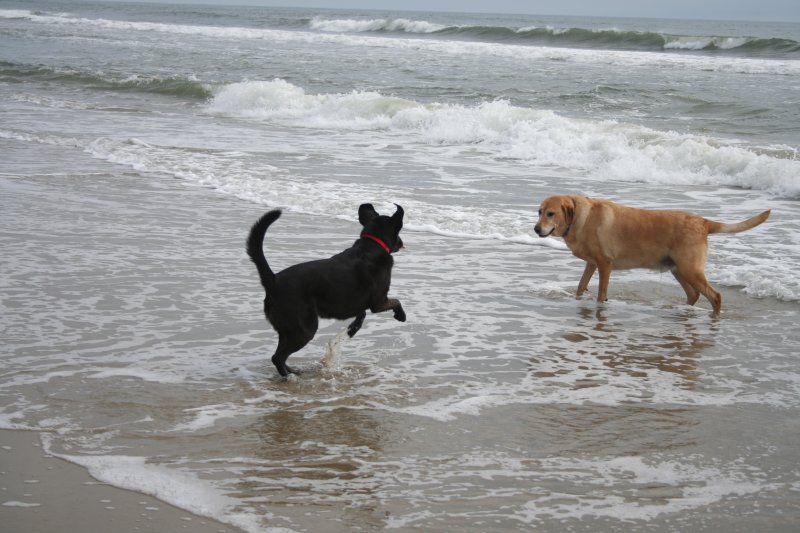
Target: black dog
<point>343,286</point>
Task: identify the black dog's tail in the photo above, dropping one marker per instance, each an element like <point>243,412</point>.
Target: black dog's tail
<point>255,248</point>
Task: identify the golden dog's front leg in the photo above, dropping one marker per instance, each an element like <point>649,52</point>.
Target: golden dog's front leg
<point>605,274</point>
<point>588,272</point>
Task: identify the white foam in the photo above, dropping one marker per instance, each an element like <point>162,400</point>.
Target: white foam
<point>13,503</point>
<point>701,43</point>
<point>266,185</point>
<point>208,416</point>
<point>373,25</point>
<point>625,489</point>
<point>278,99</point>
<point>15,13</point>
<point>686,486</point>
<point>759,282</point>
<point>41,139</point>
<point>617,151</point>
<point>172,485</point>
<point>543,139</point>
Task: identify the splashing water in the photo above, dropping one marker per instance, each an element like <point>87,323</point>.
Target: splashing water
<point>333,349</point>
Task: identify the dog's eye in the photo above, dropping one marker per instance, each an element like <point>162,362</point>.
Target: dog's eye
<point>550,214</point>
<point>540,212</point>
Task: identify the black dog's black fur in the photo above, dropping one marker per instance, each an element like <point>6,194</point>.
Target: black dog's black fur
<point>341,287</point>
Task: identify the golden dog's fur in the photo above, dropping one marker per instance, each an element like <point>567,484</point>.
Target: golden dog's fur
<point>611,236</point>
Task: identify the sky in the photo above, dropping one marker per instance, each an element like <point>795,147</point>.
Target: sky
<point>776,10</point>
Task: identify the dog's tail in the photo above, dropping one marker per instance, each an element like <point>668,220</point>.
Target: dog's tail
<point>255,248</point>
<point>750,223</point>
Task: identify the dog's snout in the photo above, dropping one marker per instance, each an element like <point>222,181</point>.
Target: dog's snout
<point>538,229</point>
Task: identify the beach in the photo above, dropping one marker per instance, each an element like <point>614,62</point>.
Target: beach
<point>43,494</point>
<point>40,491</point>
<point>136,388</point>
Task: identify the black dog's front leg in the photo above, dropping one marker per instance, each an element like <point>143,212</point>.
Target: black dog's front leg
<point>399,313</point>
<point>354,326</point>
<point>393,304</point>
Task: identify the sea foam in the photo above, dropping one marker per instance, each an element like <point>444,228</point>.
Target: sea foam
<point>618,150</point>
<point>367,25</point>
<point>179,488</point>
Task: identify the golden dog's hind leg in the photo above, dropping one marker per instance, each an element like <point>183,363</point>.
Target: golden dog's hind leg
<point>691,269</point>
<point>714,297</point>
<point>691,294</point>
<point>588,272</point>
<point>698,281</point>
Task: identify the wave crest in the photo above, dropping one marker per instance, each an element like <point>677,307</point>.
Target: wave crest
<point>621,151</point>
<point>454,39</point>
<point>614,39</point>
<point>184,87</point>
<point>374,25</point>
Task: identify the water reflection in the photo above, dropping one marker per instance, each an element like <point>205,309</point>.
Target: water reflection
<point>318,455</point>
<point>337,427</point>
<point>635,343</point>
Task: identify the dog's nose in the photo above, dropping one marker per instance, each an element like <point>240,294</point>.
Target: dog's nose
<point>537,229</point>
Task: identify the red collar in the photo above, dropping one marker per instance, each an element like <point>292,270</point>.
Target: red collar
<point>380,242</point>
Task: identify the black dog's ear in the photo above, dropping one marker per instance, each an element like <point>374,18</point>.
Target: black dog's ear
<point>397,218</point>
<point>366,213</point>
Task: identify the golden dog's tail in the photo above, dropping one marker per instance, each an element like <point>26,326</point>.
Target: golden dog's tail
<point>750,223</point>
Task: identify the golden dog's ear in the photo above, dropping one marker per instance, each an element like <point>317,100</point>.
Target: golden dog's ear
<point>569,211</point>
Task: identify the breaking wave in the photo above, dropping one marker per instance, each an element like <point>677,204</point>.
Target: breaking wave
<point>614,39</point>
<point>617,150</point>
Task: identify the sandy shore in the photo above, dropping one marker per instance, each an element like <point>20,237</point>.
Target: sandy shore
<point>40,493</point>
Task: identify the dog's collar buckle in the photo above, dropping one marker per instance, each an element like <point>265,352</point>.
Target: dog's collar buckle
<point>379,241</point>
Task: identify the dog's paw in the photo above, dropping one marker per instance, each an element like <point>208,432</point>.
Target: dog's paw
<point>399,314</point>
<point>356,324</point>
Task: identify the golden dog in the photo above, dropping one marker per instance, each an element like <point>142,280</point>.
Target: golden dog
<point>611,236</point>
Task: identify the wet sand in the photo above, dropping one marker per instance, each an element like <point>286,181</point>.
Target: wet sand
<point>40,493</point>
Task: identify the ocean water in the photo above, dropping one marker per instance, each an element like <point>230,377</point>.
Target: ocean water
<point>140,141</point>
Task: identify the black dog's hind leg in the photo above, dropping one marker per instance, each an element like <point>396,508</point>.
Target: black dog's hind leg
<point>282,353</point>
<point>354,326</point>
<point>287,345</point>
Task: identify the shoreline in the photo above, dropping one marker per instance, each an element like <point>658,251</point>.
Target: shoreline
<point>42,493</point>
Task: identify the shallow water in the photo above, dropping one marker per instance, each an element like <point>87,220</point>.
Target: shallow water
<point>503,403</point>
<point>133,336</point>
